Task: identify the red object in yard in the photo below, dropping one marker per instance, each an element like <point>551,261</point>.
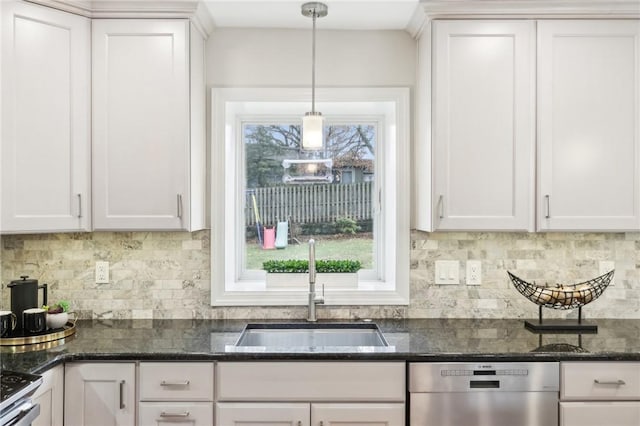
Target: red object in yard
<point>269,238</point>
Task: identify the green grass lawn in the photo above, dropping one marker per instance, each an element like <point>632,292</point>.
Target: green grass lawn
<point>327,248</point>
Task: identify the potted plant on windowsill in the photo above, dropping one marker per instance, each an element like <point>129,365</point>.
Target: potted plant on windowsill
<point>295,273</point>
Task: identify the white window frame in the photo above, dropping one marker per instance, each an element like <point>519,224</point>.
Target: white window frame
<point>230,107</point>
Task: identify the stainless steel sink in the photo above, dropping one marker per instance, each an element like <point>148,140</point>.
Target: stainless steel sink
<point>313,337</point>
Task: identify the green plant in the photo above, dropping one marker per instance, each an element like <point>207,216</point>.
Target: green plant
<point>57,308</point>
<point>346,225</point>
<point>301,266</point>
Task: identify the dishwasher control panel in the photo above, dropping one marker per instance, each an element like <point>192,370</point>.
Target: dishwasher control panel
<point>461,377</point>
<point>458,372</point>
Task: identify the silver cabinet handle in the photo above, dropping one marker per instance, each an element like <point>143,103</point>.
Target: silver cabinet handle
<point>609,382</point>
<point>183,414</point>
<point>179,206</point>
<point>184,383</point>
<point>122,406</point>
<point>441,206</point>
<point>548,202</point>
<point>79,205</point>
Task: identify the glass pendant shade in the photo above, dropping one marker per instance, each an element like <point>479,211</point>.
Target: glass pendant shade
<point>312,131</point>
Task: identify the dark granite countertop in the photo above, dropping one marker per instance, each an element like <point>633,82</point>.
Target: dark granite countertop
<point>447,340</point>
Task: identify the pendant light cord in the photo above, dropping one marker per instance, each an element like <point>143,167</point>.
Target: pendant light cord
<point>313,64</point>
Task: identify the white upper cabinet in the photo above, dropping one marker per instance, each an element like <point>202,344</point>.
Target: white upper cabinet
<point>147,158</point>
<point>483,110</point>
<point>589,125</point>
<point>46,115</point>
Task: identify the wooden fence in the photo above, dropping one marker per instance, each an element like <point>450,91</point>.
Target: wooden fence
<point>310,203</point>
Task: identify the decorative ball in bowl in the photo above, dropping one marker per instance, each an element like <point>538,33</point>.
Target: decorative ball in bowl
<point>563,296</point>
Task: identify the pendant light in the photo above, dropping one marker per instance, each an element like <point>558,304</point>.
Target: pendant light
<point>313,122</point>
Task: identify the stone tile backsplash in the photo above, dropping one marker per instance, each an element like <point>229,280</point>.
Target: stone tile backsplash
<point>166,274</point>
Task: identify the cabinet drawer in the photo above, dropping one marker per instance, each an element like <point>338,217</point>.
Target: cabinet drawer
<point>176,381</point>
<point>600,380</point>
<point>311,381</point>
<point>160,413</point>
<point>599,413</point>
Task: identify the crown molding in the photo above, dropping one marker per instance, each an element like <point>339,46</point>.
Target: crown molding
<point>417,21</point>
<point>194,10</point>
<point>528,9</point>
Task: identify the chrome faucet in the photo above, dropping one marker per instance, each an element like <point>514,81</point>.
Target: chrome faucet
<point>313,298</point>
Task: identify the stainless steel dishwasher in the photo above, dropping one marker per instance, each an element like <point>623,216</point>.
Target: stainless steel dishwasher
<point>484,394</point>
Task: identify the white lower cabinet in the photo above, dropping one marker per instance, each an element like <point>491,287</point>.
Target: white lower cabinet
<point>600,413</point>
<point>370,414</point>
<point>100,394</point>
<point>176,392</point>
<point>261,413</point>
<point>171,413</point>
<point>310,393</point>
<point>50,396</point>
<point>301,414</point>
<point>599,393</point>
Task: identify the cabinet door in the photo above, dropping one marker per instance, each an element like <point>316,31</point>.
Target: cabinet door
<point>589,125</point>
<point>99,394</point>
<point>172,413</point>
<point>599,413</point>
<point>262,414</point>
<point>45,149</point>
<point>50,396</point>
<point>140,124</point>
<point>358,414</point>
<point>483,125</point>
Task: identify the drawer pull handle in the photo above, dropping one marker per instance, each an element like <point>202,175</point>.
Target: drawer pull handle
<point>122,406</point>
<point>609,382</point>
<point>548,201</point>
<point>179,212</point>
<point>164,383</point>
<point>183,414</point>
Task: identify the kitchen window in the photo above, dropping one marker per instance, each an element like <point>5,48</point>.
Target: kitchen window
<point>262,185</point>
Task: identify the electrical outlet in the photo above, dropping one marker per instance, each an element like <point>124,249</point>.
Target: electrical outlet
<point>606,266</point>
<point>447,272</point>
<point>102,272</point>
<point>474,272</point>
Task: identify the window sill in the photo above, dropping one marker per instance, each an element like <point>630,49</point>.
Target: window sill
<point>245,293</point>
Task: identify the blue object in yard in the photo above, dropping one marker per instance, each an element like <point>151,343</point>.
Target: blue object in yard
<point>282,233</point>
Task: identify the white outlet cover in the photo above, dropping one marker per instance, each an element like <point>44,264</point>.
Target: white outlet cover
<point>102,272</point>
<point>474,272</point>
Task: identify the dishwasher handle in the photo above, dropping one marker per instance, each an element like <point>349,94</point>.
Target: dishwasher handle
<point>484,384</point>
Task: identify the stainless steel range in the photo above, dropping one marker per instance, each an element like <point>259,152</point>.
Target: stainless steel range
<point>16,406</point>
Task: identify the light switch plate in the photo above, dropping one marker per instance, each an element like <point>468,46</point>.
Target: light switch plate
<point>447,272</point>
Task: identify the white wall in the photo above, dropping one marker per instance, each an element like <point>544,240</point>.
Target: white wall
<point>276,57</point>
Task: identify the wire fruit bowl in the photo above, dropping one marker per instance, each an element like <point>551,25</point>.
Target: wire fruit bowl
<point>563,296</point>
